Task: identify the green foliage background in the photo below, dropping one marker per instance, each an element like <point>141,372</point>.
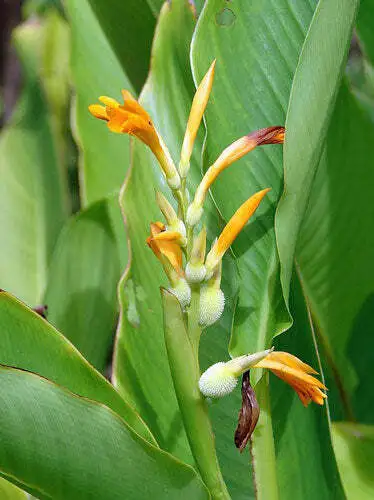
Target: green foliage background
<point>75,207</point>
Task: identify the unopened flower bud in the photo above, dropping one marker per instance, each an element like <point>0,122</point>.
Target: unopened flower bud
<point>195,268</point>
<point>174,182</point>
<point>166,208</point>
<point>194,214</point>
<point>197,109</point>
<point>221,378</point>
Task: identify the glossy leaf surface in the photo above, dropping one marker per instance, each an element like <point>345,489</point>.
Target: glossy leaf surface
<point>74,448</point>
<point>122,23</point>
<point>96,71</point>
<point>28,342</point>
<point>354,447</point>
<point>81,292</point>
<point>32,189</point>
<point>9,491</point>
<point>317,75</point>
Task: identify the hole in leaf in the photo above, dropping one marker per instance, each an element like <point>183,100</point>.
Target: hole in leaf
<point>225,17</point>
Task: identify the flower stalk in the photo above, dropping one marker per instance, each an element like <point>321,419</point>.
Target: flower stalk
<point>185,373</point>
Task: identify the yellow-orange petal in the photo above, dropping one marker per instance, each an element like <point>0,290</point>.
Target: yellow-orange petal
<point>233,228</point>
<point>132,105</point>
<point>236,150</point>
<point>307,387</point>
<point>169,249</point>
<point>117,120</point>
<point>109,101</point>
<point>199,104</point>
<point>175,236</point>
<point>98,111</point>
<point>290,360</point>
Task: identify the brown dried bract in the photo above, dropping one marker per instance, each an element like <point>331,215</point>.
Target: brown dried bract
<point>248,415</point>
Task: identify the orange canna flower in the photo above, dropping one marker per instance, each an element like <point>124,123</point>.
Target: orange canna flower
<point>168,247</point>
<point>131,118</point>
<point>232,229</point>
<point>297,374</point>
<point>239,148</point>
<point>221,378</point>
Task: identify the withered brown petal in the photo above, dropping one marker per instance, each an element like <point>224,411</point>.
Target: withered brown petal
<point>248,415</point>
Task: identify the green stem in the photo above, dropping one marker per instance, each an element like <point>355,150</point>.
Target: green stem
<point>189,241</point>
<point>185,373</point>
<point>262,449</point>
<point>194,329</point>
<point>179,196</point>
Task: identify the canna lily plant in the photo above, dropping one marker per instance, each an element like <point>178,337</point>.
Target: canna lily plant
<point>163,311</point>
<point>194,299</point>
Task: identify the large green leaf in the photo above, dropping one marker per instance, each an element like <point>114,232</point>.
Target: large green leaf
<point>78,449</point>
<point>95,71</point>
<point>54,70</point>
<point>28,342</point>
<point>267,40</point>
<point>129,28</point>
<point>10,492</point>
<point>317,76</point>
<point>334,257</point>
<point>305,459</point>
<point>32,195</point>
<point>354,446</point>
<point>364,27</point>
<point>257,46</point>
<point>81,291</point>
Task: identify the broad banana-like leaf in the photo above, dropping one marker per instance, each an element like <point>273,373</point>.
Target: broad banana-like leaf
<point>55,78</point>
<point>129,28</point>
<point>9,491</point>
<point>81,291</point>
<point>317,75</point>
<point>365,33</point>
<point>28,342</point>
<point>299,433</point>
<point>96,71</point>
<point>32,189</point>
<point>354,446</point>
<point>267,40</point>
<point>334,257</point>
<point>257,47</point>
<point>75,448</point>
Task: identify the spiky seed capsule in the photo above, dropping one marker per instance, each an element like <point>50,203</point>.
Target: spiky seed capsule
<point>183,293</point>
<point>217,381</point>
<point>194,214</point>
<point>212,304</point>
<point>195,273</point>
